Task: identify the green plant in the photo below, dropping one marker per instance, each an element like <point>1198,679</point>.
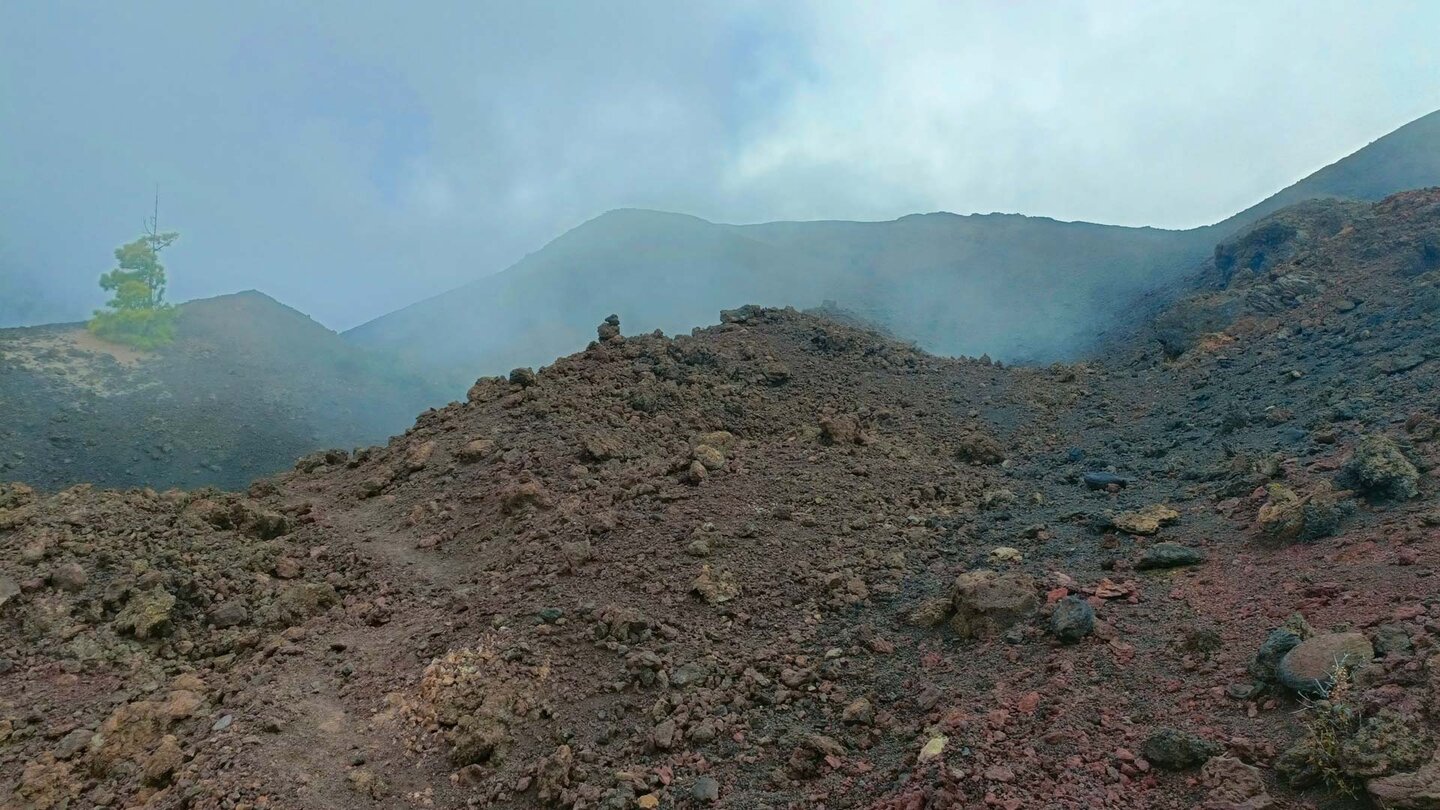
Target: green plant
<point>137,314</point>
<point>1318,757</point>
<point>1341,747</point>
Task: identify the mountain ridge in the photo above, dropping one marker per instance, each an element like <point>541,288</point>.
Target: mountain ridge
<point>955,283</point>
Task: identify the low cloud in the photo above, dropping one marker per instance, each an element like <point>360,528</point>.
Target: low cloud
<point>349,159</point>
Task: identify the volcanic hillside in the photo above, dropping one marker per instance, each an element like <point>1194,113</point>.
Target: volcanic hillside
<point>248,386</point>
<point>785,563</point>
<point>1018,287</point>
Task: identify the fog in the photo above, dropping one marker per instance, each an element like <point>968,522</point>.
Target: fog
<point>351,158</point>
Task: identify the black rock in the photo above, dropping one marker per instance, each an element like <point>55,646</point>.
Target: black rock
<point>1169,555</point>
<point>1101,480</point>
<point>1267,659</point>
<point>1072,620</point>
<point>1176,750</point>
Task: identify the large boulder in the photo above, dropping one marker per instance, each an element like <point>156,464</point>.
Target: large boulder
<point>1288,516</point>
<point>988,602</point>
<point>1310,667</point>
<point>1381,471</point>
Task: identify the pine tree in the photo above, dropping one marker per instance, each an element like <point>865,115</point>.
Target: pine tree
<point>137,314</point>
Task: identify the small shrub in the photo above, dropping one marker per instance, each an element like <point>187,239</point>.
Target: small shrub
<point>1341,748</point>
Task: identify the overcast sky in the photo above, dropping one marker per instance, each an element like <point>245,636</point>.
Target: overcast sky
<point>349,158</point>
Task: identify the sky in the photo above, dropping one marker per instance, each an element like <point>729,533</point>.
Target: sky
<point>351,158</point>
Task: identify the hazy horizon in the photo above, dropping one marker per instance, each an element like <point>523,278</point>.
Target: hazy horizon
<point>350,161</point>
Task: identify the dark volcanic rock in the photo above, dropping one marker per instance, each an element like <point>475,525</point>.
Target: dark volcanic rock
<point>1169,555</point>
<point>1176,750</point>
<point>1101,480</point>
<point>1072,620</point>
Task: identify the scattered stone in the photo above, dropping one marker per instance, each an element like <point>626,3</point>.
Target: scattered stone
<point>1104,480</point>
<point>687,675</point>
<point>147,614</point>
<point>715,587</point>
<point>1147,521</point>
<point>73,743</point>
<point>1233,785</point>
<point>577,552</point>
<point>229,614</point>
<point>1176,750</point>
<point>419,456</point>
<point>69,577</point>
<point>1392,638</point>
<point>859,712</point>
<point>986,603</point>
<point>934,747</point>
<point>161,765</point>
<point>708,456</point>
<point>1339,743</point>
<point>1006,554</point>
<point>705,789</point>
<point>1073,619</point>
<point>476,450</point>
<point>1169,555</point>
<point>523,377</point>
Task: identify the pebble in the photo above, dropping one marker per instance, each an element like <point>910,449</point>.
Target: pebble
<point>706,789</point>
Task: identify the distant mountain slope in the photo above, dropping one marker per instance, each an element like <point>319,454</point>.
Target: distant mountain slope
<point>1407,158</point>
<point>1014,286</point>
<point>248,386</point>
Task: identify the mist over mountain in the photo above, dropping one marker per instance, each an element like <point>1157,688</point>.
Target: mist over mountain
<point>1016,287</point>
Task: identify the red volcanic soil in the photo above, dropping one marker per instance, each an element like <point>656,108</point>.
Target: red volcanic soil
<point>787,563</point>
